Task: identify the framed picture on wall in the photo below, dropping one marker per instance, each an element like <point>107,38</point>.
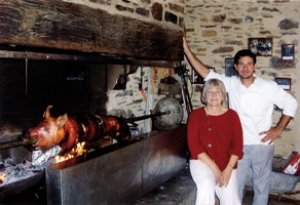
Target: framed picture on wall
<point>285,83</point>
<point>261,46</point>
<point>229,67</point>
<point>287,52</point>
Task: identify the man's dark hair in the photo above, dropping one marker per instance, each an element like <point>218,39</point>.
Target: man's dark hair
<point>243,53</point>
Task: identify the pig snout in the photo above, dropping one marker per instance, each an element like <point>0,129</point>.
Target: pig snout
<point>32,136</point>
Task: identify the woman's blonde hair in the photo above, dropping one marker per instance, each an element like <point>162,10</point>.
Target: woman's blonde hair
<point>214,83</point>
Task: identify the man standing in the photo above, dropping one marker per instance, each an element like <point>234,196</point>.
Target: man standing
<point>253,98</point>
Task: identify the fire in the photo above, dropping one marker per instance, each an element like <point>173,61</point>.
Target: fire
<point>2,177</point>
<point>78,150</point>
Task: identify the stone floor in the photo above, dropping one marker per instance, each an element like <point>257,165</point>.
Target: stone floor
<point>181,191</point>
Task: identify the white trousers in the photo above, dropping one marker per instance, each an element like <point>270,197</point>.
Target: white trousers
<point>206,186</point>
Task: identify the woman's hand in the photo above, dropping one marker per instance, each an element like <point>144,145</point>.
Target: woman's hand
<point>218,176</point>
<point>226,174</point>
<point>225,177</point>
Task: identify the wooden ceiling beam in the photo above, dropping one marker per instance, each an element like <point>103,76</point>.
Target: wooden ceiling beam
<point>55,24</point>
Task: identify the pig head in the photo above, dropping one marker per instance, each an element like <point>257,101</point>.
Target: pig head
<point>52,131</point>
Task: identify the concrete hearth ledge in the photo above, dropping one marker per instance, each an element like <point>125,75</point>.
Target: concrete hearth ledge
<point>180,190</point>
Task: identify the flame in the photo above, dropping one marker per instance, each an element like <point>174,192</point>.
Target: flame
<point>2,177</point>
<point>78,150</point>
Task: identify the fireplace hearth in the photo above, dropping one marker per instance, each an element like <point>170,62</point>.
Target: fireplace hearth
<point>113,175</point>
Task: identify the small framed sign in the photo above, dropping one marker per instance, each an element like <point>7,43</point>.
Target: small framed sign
<point>229,67</point>
<point>261,46</point>
<point>285,83</point>
<point>287,52</point>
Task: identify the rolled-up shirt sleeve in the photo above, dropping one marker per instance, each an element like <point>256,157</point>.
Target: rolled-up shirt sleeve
<point>285,101</point>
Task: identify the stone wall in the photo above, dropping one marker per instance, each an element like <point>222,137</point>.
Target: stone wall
<point>218,29</point>
<point>164,12</point>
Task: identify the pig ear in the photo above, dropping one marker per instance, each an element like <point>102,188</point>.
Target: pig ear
<point>61,120</point>
<point>47,114</point>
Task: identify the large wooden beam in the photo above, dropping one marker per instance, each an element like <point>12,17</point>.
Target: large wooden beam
<point>73,27</point>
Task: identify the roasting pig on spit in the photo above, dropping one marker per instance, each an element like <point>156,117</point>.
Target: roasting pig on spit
<point>59,135</point>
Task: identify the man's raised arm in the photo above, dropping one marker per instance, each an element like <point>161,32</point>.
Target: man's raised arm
<point>199,67</point>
